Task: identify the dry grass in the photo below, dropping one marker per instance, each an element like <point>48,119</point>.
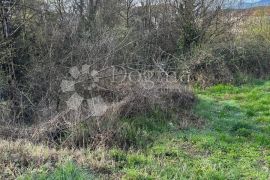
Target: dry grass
<point>74,129</point>
<point>21,156</point>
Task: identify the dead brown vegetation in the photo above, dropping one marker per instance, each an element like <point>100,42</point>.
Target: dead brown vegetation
<point>76,129</point>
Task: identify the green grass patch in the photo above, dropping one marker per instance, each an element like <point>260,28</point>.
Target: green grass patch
<point>66,171</point>
<point>234,144</point>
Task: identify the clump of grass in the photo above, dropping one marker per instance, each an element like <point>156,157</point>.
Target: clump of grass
<point>263,119</point>
<point>66,171</point>
<point>21,157</point>
<point>141,131</point>
<point>242,129</point>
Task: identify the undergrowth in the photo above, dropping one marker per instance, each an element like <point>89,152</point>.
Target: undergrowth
<point>233,144</point>
<point>66,171</point>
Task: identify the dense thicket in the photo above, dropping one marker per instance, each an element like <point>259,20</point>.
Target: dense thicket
<point>41,40</point>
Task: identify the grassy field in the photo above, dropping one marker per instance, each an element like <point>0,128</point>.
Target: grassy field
<point>234,143</point>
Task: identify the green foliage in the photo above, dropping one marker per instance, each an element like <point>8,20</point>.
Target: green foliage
<point>67,171</point>
<point>139,132</point>
<point>234,145</point>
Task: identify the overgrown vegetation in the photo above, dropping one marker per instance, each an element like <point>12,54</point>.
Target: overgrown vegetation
<point>233,143</point>
<point>121,89</point>
<point>65,171</point>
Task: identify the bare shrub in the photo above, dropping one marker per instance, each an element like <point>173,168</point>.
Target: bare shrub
<point>206,69</point>
<point>76,129</point>
<point>103,131</point>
